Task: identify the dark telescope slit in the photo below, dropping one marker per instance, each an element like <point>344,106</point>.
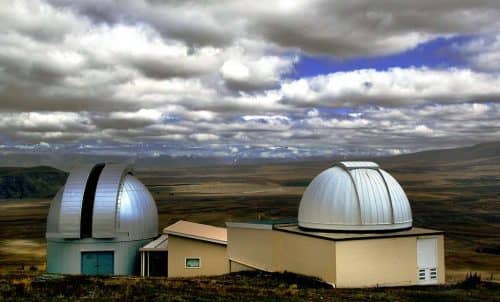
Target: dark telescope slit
<point>88,201</point>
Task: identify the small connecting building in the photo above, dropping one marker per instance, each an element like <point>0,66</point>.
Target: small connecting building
<point>354,229</point>
<point>154,258</point>
<point>196,250</point>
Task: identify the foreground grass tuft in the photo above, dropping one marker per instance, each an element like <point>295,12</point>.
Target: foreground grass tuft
<point>246,286</point>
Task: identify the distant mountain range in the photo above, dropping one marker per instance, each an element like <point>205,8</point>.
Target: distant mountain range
<point>63,161</point>
<point>66,161</point>
<point>480,154</point>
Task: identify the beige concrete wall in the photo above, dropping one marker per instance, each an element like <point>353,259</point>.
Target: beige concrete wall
<point>213,257</point>
<point>377,262</point>
<point>272,251</point>
<point>305,255</point>
<point>352,263</point>
<point>441,263</point>
<point>238,267</point>
<point>381,262</point>
<point>251,247</point>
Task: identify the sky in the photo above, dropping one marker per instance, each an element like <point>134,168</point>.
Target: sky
<point>248,79</point>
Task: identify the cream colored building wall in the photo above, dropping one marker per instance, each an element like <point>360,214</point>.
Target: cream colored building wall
<point>381,262</point>
<point>441,262</point>
<point>350,263</point>
<point>377,262</point>
<point>213,257</point>
<point>251,247</point>
<point>272,251</point>
<point>238,267</point>
<point>305,255</point>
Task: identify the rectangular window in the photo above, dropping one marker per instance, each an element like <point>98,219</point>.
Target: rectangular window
<point>193,263</point>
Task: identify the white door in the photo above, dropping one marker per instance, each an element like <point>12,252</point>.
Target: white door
<point>427,260</point>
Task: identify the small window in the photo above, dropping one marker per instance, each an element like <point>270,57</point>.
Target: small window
<point>193,263</point>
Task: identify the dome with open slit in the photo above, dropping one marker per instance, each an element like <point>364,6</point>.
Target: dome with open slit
<point>102,211</point>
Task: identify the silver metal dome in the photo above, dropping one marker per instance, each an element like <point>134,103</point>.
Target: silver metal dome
<point>354,196</point>
<point>122,207</point>
<point>98,221</point>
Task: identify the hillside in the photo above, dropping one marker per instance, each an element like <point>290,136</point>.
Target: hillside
<point>243,286</point>
<point>34,182</point>
<point>481,154</point>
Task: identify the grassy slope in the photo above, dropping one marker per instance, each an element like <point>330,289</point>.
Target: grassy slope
<point>248,286</point>
<point>34,182</point>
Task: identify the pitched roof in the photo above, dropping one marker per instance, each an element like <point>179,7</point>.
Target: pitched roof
<point>159,244</point>
<point>197,231</point>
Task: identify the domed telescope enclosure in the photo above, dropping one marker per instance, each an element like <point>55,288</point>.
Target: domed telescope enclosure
<point>354,197</point>
<point>98,221</point>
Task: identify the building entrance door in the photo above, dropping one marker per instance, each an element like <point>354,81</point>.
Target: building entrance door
<point>97,263</point>
<point>427,260</point>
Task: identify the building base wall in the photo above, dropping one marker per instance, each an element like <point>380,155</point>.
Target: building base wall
<point>383,262</point>
<point>275,251</point>
<point>346,263</point>
<point>304,255</point>
<point>252,247</point>
<point>64,256</point>
<point>239,267</point>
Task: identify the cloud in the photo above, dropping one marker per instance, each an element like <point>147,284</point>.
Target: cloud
<point>43,121</point>
<point>127,120</point>
<point>393,87</point>
<point>258,73</point>
<point>224,76</point>
<point>482,53</point>
<point>313,113</point>
<point>37,20</point>
<point>335,123</point>
<point>203,137</point>
<point>379,130</point>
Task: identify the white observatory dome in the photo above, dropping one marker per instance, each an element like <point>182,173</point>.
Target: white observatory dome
<point>354,196</point>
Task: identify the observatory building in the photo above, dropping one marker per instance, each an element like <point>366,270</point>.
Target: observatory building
<point>354,229</point>
<point>98,221</point>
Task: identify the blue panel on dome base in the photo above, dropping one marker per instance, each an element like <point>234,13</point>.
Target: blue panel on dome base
<point>98,263</point>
